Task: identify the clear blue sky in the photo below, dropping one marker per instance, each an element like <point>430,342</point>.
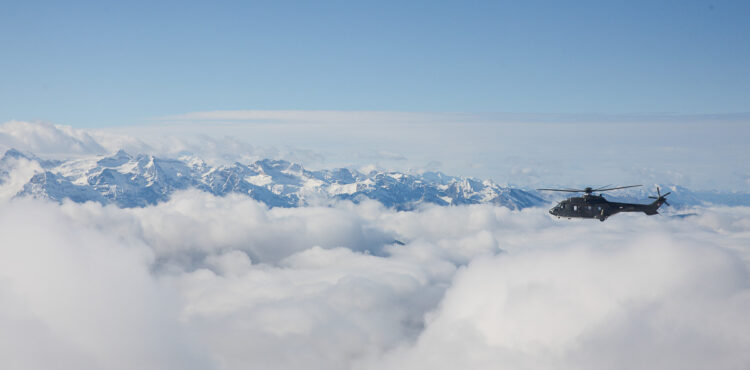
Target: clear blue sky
<point>96,64</point>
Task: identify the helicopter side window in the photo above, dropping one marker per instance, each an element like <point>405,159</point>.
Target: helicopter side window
<point>575,208</point>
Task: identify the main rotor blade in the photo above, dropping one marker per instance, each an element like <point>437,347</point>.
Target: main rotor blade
<point>620,187</point>
<point>667,194</point>
<point>597,189</point>
<point>653,197</point>
<point>565,190</point>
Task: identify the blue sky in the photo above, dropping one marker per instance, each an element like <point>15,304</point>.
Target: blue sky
<point>103,64</point>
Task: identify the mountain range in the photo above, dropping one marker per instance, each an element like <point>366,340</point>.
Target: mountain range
<point>140,180</point>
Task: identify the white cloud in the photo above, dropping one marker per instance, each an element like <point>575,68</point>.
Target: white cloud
<point>226,282</point>
<point>14,174</point>
<point>320,309</point>
<point>652,302</point>
<point>697,153</point>
<point>316,116</point>
<point>59,141</point>
<point>76,298</point>
<point>45,138</point>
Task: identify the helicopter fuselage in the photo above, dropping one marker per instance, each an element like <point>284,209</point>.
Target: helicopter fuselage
<point>596,207</point>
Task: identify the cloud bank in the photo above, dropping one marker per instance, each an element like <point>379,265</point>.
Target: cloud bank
<point>702,153</point>
<point>227,283</point>
<point>208,282</point>
<point>48,138</point>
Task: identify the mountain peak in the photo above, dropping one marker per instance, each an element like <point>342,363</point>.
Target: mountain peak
<point>15,153</point>
<point>118,159</point>
<point>129,181</point>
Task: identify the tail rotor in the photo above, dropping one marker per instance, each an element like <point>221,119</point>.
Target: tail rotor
<point>661,197</point>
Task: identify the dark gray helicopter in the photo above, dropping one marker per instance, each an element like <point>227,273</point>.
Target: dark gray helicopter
<point>595,206</point>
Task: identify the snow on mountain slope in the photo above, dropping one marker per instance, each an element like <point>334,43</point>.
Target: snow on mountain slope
<point>135,181</point>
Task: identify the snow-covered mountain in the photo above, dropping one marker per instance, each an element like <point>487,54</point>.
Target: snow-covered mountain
<point>135,181</point>
<point>140,180</point>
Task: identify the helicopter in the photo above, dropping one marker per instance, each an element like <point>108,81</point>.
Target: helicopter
<point>595,206</point>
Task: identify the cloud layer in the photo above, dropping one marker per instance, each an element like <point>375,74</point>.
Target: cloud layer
<point>210,282</point>
<point>46,138</point>
<point>652,302</point>
<point>701,153</point>
<point>224,282</point>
